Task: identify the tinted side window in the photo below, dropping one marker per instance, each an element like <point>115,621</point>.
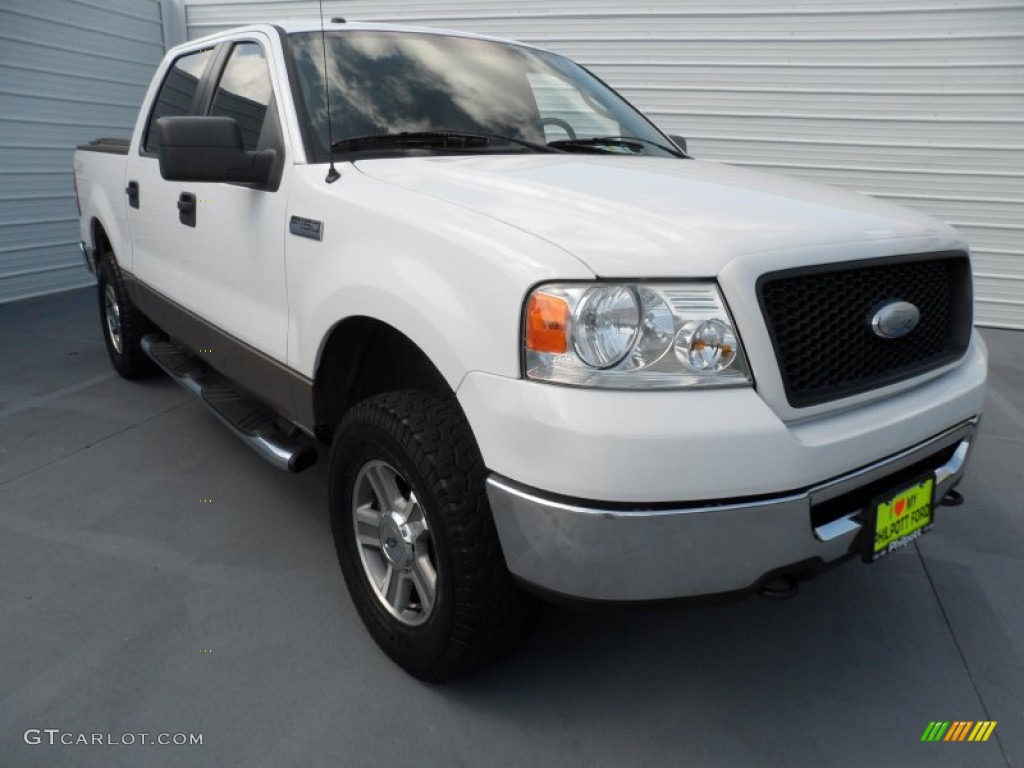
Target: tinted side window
<point>244,91</point>
<point>177,92</point>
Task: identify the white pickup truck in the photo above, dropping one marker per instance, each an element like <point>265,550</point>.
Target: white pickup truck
<point>551,353</point>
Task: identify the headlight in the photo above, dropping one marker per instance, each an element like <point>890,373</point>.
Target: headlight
<point>607,321</point>
<point>706,345</point>
<point>632,336</point>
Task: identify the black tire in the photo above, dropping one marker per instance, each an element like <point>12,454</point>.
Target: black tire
<point>479,615</point>
<point>125,347</point>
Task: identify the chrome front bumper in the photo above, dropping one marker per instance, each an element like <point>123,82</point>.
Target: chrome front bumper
<point>621,554</point>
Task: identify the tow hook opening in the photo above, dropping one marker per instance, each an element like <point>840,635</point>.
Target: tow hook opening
<point>780,588</point>
<point>953,498</point>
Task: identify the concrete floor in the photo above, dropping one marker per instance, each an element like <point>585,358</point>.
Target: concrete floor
<point>128,604</point>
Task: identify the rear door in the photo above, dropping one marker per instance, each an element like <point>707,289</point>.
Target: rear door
<point>157,236</point>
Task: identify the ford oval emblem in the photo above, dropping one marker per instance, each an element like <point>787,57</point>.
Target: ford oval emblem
<point>895,319</point>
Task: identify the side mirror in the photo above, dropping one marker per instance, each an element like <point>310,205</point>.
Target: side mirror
<point>209,149</point>
<point>680,142</point>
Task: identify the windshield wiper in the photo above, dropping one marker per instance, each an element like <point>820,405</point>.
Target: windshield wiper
<point>432,140</point>
<point>631,142</point>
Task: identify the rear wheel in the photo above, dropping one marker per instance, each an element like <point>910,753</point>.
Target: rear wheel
<point>123,324</point>
<point>416,540</point>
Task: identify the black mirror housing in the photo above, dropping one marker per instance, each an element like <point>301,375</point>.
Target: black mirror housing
<point>680,142</point>
<point>209,149</point>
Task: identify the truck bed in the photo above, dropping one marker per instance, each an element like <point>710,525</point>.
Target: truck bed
<point>100,168</point>
<point>114,146</point>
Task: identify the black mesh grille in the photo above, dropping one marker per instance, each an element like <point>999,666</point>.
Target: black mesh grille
<point>819,319</point>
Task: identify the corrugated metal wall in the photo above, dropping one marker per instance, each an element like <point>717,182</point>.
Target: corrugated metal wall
<point>916,101</point>
<point>70,71</point>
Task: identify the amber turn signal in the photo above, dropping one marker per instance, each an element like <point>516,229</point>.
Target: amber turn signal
<point>547,324</point>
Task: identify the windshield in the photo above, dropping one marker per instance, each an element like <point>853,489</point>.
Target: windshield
<point>386,83</point>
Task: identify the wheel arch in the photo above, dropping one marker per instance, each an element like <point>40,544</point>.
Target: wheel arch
<point>363,356</point>
<point>101,216</point>
<point>100,240</point>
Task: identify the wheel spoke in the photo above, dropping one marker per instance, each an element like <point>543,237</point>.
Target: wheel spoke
<point>417,530</point>
<point>424,578</point>
<point>384,486</point>
<point>413,511</point>
<point>415,519</point>
<point>368,526</point>
<point>369,540</point>
<point>367,515</point>
<point>399,591</point>
<point>386,583</point>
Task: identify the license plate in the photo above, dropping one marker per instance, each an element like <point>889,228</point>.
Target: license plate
<point>901,518</point>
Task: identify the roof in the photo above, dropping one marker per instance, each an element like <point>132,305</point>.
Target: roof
<point>313,25</point>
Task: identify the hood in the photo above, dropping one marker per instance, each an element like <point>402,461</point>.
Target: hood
<point>652,217</point>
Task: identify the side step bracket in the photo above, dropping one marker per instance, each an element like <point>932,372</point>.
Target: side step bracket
<point>240,415</point>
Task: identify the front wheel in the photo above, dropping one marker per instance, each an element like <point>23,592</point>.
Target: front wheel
<point>416,540</point>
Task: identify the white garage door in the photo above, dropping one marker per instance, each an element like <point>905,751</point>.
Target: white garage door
<point>917,101</point>
<point>70,71</point>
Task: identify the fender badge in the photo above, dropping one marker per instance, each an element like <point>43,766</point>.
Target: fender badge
<point>894,319</point>
<point>310,228</point>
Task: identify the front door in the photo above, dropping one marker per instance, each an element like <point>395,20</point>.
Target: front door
<point>235,277</point>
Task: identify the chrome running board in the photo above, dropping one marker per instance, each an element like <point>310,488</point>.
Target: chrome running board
<point>248,422</point>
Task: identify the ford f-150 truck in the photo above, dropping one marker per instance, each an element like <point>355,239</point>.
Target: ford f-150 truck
<point>552,354</point>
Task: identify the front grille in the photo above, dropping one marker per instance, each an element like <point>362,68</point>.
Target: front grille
<point>819,320</point>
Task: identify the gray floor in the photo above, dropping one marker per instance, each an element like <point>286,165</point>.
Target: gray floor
<point>128,604</point>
